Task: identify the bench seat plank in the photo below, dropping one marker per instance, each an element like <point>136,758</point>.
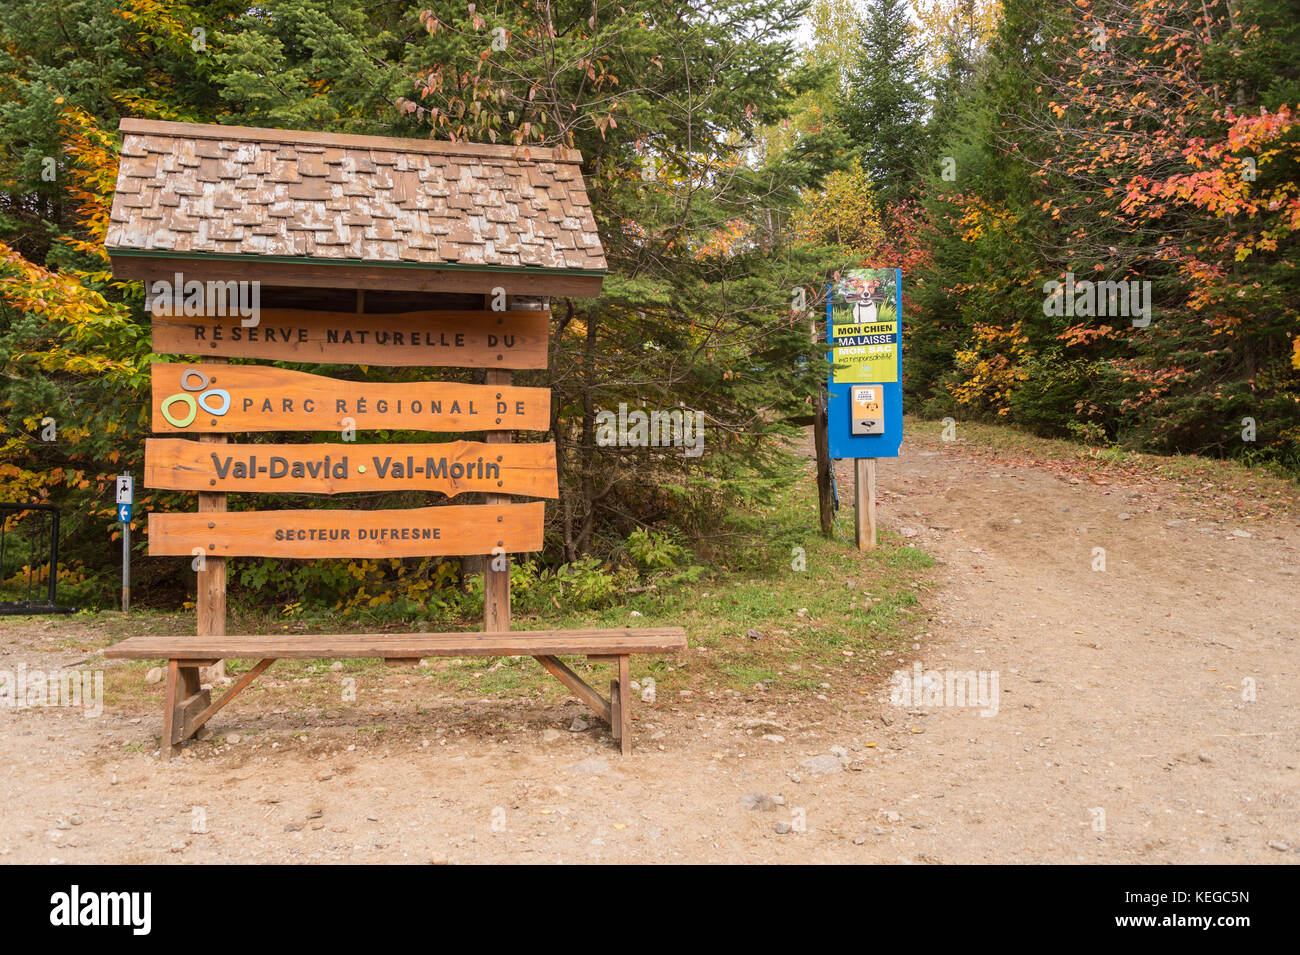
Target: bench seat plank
<point>406,646</point>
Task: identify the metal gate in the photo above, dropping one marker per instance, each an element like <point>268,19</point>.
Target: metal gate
<point>29,559</point>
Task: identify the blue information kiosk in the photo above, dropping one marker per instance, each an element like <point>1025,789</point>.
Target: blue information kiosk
<point>864,310</point>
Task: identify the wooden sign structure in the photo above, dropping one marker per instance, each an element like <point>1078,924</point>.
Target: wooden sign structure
<point>412,245</point>
<point>211,399</point>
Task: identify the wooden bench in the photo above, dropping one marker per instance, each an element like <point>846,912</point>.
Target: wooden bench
<point>187,706</point>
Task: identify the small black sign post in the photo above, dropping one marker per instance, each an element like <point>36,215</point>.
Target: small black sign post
<point>125,500</point>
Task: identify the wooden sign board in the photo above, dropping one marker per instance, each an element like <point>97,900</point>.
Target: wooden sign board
<point>514,339</point>
<point>449,530</point>
<point>194,399</point>
<point>451,468</point>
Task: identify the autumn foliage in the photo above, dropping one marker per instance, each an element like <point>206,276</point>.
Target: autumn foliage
<point>1116,141</point>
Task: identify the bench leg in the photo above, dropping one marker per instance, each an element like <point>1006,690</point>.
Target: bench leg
<point>615,711</point>
<point>195,722</point>
<point>618,711</point>
<point>623,718</point>
<point>184,695</point>
<point>555,666</point>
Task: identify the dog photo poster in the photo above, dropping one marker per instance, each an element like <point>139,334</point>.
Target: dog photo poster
<point>865,327</point>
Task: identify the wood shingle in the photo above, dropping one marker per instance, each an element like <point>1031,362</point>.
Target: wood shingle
<point>188,188</point>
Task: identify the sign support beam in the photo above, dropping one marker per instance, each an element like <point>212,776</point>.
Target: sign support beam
<point>496,583</point>
<point>125,503</point>
<point>210,598</point>
<point>126,567</point>
<point>864,502</point>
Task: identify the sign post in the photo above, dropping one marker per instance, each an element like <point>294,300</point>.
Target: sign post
<point>864,309</point>
<point>125,501</point>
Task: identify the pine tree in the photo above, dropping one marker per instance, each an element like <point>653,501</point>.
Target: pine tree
<point>883,103</point>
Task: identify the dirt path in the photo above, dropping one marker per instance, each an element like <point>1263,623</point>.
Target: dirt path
<point>1121,692</point>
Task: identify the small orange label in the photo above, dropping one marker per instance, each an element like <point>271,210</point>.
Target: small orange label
<point>868,402</point>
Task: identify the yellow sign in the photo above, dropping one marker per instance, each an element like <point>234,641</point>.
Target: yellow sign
<point>856,363</point>
<point>863,350</point>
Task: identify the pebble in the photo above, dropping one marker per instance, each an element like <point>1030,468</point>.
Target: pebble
<point>1279,846</point>
<point>1126,516</point>
<point>761,801</point>
<point>782,827</point>
<point>754,634</point>
<point>551,735</point>
<point>337,666</point>
<point>154,675</point>
<point>579,725</point>
<point>292,827</point>
<point>592,766</point>
<point>234,738</point>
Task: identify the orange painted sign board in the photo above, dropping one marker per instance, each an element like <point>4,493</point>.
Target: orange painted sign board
<point>460,339</point>
<point>449,530</point>
<point>452,468</point>
<point>199,398</point>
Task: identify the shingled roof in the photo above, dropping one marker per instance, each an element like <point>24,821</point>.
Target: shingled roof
<point>193,191</point>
